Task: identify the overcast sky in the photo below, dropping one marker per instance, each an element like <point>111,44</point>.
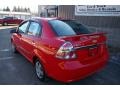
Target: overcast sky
<point>32,4</point>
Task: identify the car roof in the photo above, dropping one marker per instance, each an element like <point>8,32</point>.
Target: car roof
<point>43,18</point>
<point>54,18</point>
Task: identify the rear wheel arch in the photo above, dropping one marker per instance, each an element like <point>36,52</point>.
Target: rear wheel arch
<point>35,59</point>
<point>38,57</point>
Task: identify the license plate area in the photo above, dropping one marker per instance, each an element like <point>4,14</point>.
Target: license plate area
<point>93,50</point>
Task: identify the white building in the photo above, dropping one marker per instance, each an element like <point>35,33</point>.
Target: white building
<point>47,10</point>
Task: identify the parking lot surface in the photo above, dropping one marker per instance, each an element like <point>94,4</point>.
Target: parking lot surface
<point>15,69</point>
<point>7,27</point>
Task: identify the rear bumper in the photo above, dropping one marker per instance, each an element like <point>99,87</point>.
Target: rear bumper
<point>74,70</point>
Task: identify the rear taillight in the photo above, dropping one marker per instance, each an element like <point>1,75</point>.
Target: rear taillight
<point>66,51</point>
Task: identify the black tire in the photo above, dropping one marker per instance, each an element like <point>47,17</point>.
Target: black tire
<point>5,24</point>
<point>39,70</point>
<point>14,48</point>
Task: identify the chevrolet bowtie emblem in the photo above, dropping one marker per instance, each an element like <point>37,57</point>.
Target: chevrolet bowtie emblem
<point>94,41</point>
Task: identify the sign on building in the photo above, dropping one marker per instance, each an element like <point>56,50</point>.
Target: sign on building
<point>97,10</point>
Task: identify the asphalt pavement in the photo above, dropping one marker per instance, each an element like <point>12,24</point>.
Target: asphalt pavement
<point>16,70</point>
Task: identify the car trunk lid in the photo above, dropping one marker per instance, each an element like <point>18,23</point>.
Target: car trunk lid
<point>87,46</point>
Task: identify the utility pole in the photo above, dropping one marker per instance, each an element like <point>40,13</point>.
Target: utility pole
<point>46,13</point>
<point>56,11</point>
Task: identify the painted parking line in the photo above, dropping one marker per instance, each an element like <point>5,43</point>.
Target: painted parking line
<point>115,62</point>
<point>6,58</point>
<point>4,50</point>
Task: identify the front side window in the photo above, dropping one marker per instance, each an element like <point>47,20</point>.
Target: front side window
<point>34,29</point>
<point>68,27</point>
<point>23,28</point>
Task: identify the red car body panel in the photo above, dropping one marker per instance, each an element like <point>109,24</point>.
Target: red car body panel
<point>11,20</point>
<point>1,20</point>
<point>46,46</point>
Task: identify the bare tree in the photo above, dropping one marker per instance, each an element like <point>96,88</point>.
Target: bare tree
<point>28,10</point>
<point>7,9</point>
<point>25,9</point>
<point>18,9</point>
<point>4,9</point>
<point>14,9</point>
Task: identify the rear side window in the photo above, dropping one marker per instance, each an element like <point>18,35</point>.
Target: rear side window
<point>61,28</point>
<point>77,27</point>
<point>68,27</point>
<point>34,29</point>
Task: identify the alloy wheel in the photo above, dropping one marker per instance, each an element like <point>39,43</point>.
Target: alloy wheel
<point>39,70</point>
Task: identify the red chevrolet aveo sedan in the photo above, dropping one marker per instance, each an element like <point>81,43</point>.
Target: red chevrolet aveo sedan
<point>64,50</point>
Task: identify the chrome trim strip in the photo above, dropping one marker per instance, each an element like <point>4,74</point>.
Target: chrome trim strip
<point>81,47</point>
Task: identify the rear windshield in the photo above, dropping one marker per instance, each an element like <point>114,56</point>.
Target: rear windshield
<point>68,27</point>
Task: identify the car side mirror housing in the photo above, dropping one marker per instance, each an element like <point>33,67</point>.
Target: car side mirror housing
<point>13,31</point>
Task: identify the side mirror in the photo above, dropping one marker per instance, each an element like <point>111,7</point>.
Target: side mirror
<point>13,31</point>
